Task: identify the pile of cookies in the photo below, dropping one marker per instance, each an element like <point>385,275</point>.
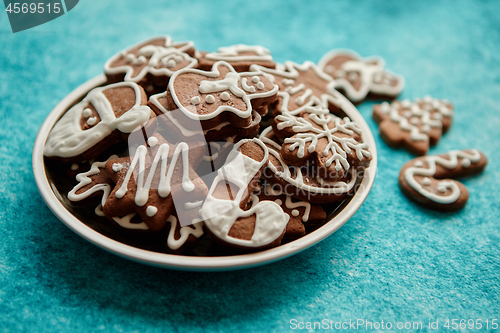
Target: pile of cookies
<point>227,146</point>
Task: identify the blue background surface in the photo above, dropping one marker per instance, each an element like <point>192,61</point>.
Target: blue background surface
<point>393,261</point>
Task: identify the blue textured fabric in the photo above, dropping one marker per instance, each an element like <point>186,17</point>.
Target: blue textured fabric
<point>393,261</point>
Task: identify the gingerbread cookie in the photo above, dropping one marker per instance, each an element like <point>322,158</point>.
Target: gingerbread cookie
<point>103,118</point>
<point>96,183</point>
<point>357,77</point>
<point>425,179</point>
<point>301,181</point>
<point>301,213</point>
<point>301,86</point>
<point>259,227</point>
<point>156,59</point>
<point>93,185</point>
<point>158,178</point>
<point>240,56</point>
<point>331,144</point>
<point>413,125</point>
<point>176,129</point>
<point>211,98</point>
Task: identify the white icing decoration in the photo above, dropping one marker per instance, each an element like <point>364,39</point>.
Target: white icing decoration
<point>74,166</point>
<point>450,163</point>
<point>185,232</point>
<point>219,214</point>
<point>260,86</point>
<point>157,55</point>
<point>67,139</point>
<point>152,141</point>
<point>210,99</point>
<point>185,131</point>
<point>166,172</point>
<point>289,203</point>
<point>339,147</point>
<point>92,121</point>
<point>195,100</point>
<point>124,222</point>
<point>193,205</point>
<point>117,167</point>
<point>130,58</point>
<point>171,63</point>
<point>466,163</point>
<point>373,77</point>
<point>141,60</point>
<point>217,148</point>
<point>426,181</point>
<point>230,83</point>
<point>84,179</point>
<point>255,79</point>
<point>232,53</point>
<point>250,89</point>
<point>151,211</point>
<point>225,96</point>
<point>291,73</point>
<point>336,187</point>
<point>414,114</point>
<point>87,113</point>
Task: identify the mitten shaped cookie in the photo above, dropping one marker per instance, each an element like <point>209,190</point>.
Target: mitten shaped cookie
<point>103,118</point>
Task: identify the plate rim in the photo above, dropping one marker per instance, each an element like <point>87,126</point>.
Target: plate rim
<point>182,262</point>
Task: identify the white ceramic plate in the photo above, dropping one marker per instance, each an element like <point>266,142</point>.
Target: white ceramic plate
<point>182,262</point>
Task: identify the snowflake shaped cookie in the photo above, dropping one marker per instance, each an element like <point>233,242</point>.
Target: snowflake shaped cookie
<point>413,125</point>
<point>303,182</point>
<point>333,145</point>
<point>357,77</point>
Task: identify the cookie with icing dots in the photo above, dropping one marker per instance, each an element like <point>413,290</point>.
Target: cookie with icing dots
<point>212,97</point>
<point>95,185</point>
<point>225,210</point>
<point>414,126</point>
<point>426,180</point>
<point>106,116</point>
<point>359,77</point>
<point>317,137</point>
<point>302,213</point>
<point>223,130</point>
<point>158,178</point>
<point>302,182</point>
<point>153,60</point>
<point>302,86</point>
<point>240,56</point>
